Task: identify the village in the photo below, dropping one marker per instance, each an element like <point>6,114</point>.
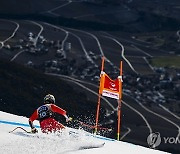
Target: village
<point>161,87</point>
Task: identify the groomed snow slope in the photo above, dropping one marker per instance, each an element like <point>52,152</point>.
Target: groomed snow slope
<point>24,143</point>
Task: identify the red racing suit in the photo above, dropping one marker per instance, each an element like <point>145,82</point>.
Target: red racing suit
<point>45,115</point>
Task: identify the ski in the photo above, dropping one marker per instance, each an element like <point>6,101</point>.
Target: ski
<point>92,146</point>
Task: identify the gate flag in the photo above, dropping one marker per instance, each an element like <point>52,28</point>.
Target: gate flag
<point>109,87</point>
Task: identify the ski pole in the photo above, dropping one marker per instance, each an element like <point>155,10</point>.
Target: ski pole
<point>21,129</point>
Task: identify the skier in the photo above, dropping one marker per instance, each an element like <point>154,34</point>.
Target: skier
<point>45,115</point>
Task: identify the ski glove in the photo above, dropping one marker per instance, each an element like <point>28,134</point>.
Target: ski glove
<point>34,130</point>
<point>69,119</point>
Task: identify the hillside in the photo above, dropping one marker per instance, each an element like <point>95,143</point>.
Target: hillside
<point>23,89</point>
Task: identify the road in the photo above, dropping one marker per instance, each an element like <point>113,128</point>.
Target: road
<point>11,35</point>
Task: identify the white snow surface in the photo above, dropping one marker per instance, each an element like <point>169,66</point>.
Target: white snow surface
<point>24,143</point>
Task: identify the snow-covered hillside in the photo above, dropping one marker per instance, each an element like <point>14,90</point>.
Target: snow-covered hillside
<point>71,143</point>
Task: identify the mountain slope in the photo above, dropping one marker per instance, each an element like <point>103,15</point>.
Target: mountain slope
<point>20,142</point>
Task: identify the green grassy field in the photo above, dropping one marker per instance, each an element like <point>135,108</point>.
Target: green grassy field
<point>173,61</point>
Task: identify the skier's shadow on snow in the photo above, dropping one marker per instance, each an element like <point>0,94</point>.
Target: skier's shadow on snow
<point>23,134</point>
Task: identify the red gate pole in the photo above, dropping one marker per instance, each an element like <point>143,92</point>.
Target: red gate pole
<point>119,102</point>
<point>99,97</point>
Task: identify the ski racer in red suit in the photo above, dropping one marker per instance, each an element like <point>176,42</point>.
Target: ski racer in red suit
<point>45,115</point>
